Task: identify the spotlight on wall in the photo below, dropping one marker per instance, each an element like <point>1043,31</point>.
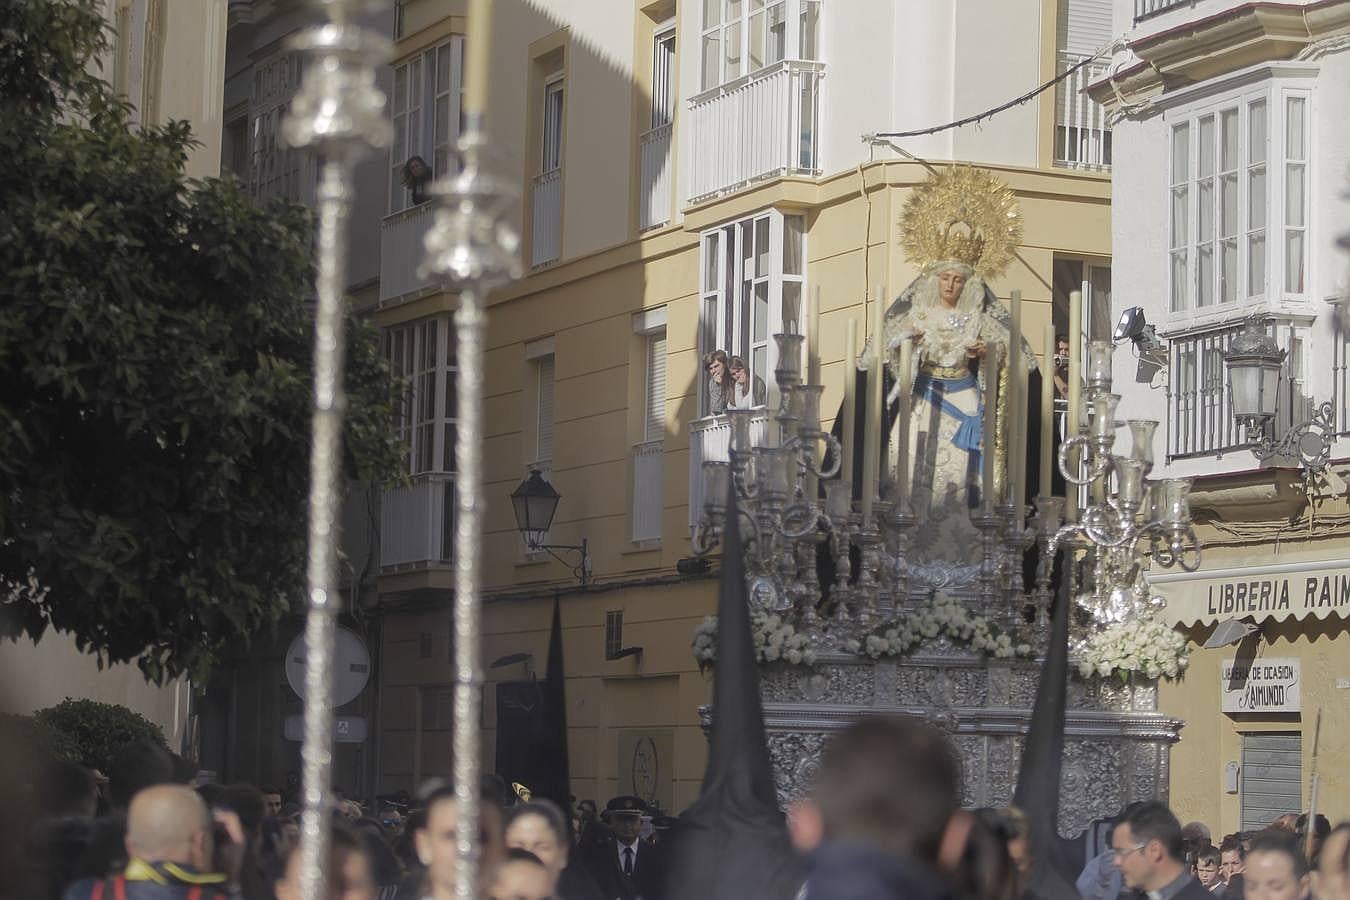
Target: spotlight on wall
<point>1150,349</point>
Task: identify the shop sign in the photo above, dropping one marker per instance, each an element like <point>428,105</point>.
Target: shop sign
<point>1279,591</point>
<point>1261,685</point>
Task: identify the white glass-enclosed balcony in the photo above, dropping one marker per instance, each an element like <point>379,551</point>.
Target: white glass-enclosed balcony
<point>758,113</point>
<point>402,251</point>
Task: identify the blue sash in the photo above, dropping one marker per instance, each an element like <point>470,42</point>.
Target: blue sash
<point>970,433</point>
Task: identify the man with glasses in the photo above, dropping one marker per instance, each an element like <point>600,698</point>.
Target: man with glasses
<point>1148,849</point>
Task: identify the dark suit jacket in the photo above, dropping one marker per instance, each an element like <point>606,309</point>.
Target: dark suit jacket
<point>843,870</point>
<point>1194,890</point>
<point>602,861</point>
<point>1191,890</point>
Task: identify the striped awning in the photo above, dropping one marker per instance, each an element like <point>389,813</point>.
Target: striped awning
<point>1298,589</point>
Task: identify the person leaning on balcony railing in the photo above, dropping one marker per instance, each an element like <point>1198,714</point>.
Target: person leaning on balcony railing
<point>720,384</point>
<point>747,391</point>
<point>416,177</point>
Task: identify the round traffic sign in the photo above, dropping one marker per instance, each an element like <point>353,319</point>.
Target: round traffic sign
<point>351,666</point>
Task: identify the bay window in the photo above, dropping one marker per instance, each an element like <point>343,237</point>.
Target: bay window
<point>753,274</point>
<point>1226,174</point>
<point>426,106</point>
<point>417,519</point>
<point>421,354</point>
<point>739,37</point>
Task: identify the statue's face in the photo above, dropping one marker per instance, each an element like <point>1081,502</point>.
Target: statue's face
<point>950,284</point>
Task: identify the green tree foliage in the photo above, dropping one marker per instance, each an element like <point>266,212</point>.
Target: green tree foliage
<point>155,373</point>
<point>24,736</point>
<point>90,732</point>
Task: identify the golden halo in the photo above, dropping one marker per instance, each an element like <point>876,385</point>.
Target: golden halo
<point>963,214</point>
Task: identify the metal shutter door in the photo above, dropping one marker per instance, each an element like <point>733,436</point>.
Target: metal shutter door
<point>1272,778</point>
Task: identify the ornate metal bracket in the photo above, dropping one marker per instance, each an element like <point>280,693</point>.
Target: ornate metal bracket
<point>1310,440</point>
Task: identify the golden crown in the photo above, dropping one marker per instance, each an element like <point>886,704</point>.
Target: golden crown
<point>963,246</point>
<point>962,214</point>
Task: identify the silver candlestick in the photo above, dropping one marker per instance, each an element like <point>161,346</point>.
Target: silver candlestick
<point>473,249</point>
<point>339,114</point>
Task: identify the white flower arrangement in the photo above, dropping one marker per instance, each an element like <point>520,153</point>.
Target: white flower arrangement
<point>1145,646</point>
<point>946,617</point>
<point>775,640</point>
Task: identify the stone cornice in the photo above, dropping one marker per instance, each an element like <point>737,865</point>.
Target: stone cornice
<point>1206,48</point>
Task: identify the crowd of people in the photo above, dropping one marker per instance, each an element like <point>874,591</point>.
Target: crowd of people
<point>884,821</point>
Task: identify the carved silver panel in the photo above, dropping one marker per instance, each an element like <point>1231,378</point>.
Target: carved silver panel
<point>1116,744</point>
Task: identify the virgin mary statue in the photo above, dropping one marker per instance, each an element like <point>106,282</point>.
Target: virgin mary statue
<point>960,229</point>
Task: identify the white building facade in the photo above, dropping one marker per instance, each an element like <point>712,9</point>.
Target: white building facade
<point>1231,157</point>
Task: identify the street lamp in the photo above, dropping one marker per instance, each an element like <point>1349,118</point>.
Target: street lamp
<point>534,502</point>
<point>1255,365</point>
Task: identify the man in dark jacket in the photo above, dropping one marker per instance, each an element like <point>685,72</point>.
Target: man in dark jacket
<point>1150,852</point>
<point>884,820</point>
<point>169,846</point>
<point>624,867</point>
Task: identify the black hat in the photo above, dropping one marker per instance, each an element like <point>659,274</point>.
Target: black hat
<point>661,823</point>
<point>626,805</point>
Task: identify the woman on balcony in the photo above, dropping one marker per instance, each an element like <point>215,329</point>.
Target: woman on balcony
<point>747,391</point>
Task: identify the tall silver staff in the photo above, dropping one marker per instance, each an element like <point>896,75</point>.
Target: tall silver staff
<point>339,113</point>
<point>472,249</point>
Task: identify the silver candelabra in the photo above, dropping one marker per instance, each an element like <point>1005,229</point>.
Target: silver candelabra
<point>1129,520</point>
<point>777,481</point>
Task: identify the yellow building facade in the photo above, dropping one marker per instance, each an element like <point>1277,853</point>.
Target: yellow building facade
<point>653,234</point>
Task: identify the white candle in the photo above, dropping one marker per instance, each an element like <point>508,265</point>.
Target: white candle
<point>991,364</point>
<point>1048,409</point>
<point>1017,425</point>
<point>850,398</point>
<point>905,379</point>
<point>872,432</point>
<point>1074,394</point>
<point>478,43</point>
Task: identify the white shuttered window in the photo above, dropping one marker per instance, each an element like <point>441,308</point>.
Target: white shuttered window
<point>655,425</point>
<point>649,452</point>
<point>544,377</point>
<point>1083,26</point>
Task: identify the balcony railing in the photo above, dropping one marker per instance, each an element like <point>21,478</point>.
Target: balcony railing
<point>1082,134</point>
<point>1200,410</point>
<point>546,234</point>
<point>401,252</point>
<point>648,496</point>
<point>417,524</point>
<point>710,438</point>
<point>1340,379</point>
<point>1145,8</point>
<point>654,201</point>
<point>758,126</point>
